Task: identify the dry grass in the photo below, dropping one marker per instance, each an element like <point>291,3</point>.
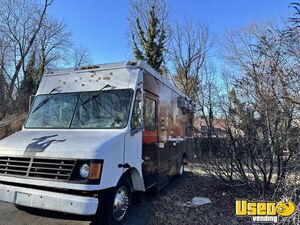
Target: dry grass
<point>172,209</point>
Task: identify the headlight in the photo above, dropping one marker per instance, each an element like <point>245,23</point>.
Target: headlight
<point>84,171</point>
<point>87,171</point>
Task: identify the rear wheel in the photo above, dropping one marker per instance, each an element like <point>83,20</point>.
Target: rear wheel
<point>114,207</point>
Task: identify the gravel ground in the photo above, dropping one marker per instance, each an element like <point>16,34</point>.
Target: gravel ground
<point>173,210</point>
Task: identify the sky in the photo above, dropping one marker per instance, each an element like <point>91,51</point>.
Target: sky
<point>102,26</point>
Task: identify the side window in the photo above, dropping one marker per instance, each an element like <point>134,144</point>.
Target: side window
<point>150,114</point>
<point>137,118</point>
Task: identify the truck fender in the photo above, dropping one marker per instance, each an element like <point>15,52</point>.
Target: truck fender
<point>136,179</point>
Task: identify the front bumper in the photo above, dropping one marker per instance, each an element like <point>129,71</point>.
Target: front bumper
<point>49,200</point>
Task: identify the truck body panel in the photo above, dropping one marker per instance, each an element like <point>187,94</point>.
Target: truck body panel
<point>46,162</point>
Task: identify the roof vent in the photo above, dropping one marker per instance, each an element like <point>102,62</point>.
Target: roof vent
<point>131,63</point>
<point>88,67</point>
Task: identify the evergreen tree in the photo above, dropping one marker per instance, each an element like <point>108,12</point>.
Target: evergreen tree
<point>149,42</point>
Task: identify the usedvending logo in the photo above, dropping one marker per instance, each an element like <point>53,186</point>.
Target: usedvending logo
<point>264,211</point>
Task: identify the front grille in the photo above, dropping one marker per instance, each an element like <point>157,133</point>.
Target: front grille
<point>14,165</point>
<point>53,169</point>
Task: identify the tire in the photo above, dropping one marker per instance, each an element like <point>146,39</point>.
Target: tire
<point>114,205</point>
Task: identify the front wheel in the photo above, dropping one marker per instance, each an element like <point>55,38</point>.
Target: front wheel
<point>121,203</point>
<point>115,205</point>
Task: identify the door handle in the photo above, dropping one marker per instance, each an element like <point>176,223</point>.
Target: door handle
<point>126,165</point>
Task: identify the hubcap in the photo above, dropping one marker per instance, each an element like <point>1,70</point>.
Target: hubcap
<point>121,203</point>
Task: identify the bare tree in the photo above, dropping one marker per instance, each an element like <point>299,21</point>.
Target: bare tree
<point>81,56</point>
<point>30,42</point>
<point>21,23</point>
<point>190,46</point>
<point>207,100</point>
<point>53,44</point>
<point>260,106</point>
<point>3,75</point>
<point>293,31</point>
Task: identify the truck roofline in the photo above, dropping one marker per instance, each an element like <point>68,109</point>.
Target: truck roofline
<point>92,68</point>
<point>117,65</point>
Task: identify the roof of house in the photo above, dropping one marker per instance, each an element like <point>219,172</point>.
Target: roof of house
<point>217,123</point>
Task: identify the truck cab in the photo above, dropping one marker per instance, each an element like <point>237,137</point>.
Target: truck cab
<point>94,135</point>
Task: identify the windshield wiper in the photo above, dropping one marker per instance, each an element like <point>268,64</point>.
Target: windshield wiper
<point>96,95</point>
<point>44,101</point>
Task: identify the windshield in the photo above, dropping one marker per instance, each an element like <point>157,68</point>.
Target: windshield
<point>97,109</point>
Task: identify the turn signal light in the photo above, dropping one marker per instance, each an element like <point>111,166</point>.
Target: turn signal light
<point>95,171</point>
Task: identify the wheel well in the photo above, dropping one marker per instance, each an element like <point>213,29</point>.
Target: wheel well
<point>136,180</point>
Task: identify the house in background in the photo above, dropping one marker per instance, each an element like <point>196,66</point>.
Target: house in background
<point>219,128</point>
<point>201,128</point>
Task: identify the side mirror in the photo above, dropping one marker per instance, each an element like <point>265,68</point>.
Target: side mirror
<point>31,98</point>
<point>133,131</point>
<point>139,120</point>
<point>137,115</point>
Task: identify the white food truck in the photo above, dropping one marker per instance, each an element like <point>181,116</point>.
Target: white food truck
<point>93,136</point>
